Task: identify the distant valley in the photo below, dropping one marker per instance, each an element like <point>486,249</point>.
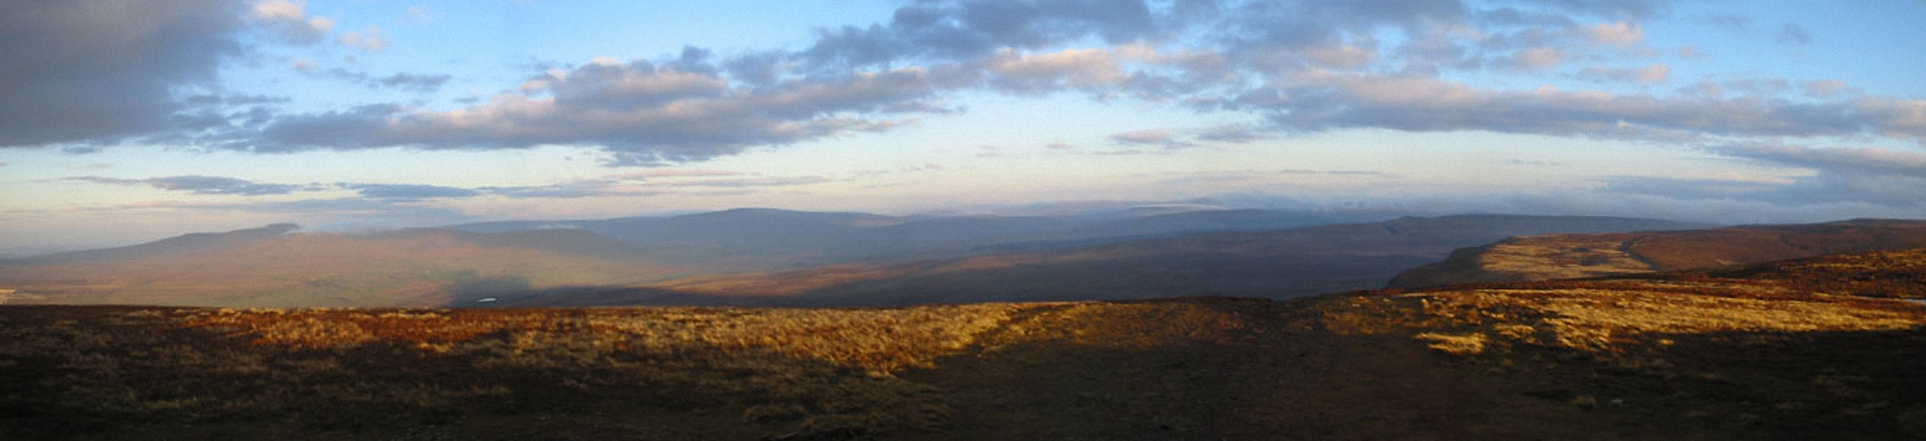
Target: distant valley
<point>778,257</point>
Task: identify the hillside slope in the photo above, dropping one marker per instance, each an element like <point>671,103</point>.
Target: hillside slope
<point>1786,351</point>
<point>1591,255</point>
<point>406,268</point>
<point>470,264</point>
<point>1271,264</point>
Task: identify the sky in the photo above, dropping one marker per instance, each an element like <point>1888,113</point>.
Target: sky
<point>123,121</point>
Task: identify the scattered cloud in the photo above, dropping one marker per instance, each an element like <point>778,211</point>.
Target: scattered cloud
<point>1234,133</point>
<point>1620,33</point>
<point>415,15</point>
<point>1655,73</point>
<point>410,191</point>
<point>1298,67</point>
<point>289,20</point>
<point>1830,88</point>
<point>1542,58</point>
<point>1791,33</point>
<point>1059,145</point>
<point>211,185</point>
<point>368,39</point>
<point>676,173</point>
<point>1149,137</point>
<point>422,83</point>
<point>645,112</point>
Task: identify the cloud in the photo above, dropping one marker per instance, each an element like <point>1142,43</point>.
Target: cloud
<point>289,20</point>
<point>1538,59</point>
<point>1050,72</point>
<point>1829,88</point>
<point>1844,174</point>
<point>643,111</point>
<point>1655,73</point>
<point>1688,188</point>
<point>411,191</point>
<point>1790,33</point>
<point>676,173</point>
<point>421,83</point>
<point>967,30</point>
<point>368,39</point>
<point>1620,33</point>
<point>1149,137</point>
<point>1296,66</point>
<point>1234,133</point>
<point>1321,101</point>
<point>210,185</point>
<point>97,71</point>
<point>1856,160</point>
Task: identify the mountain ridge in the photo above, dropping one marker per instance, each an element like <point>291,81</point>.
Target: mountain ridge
<point>1596,255</point>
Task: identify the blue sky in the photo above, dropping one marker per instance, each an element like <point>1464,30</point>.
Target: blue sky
<point>126,121</point>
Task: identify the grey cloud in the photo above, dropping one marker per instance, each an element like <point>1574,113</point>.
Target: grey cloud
<point>1234,133</point>
<point>1863,175</point>
<point>1149,137</point>
<point>1424,104</point>
<point>335,214</point>
<point>1791,33</point>
<point>746,182</point>
<point>1302,66</point>
<point>1859,161</point>
<point>642,112</point>
<point>97,71</point>
<point>969,29</point>
<point>1687,188</point>
<point>1621,9</point>
<point>220,185</point>
<point>422,83</point>
<point>201,185</point>
<point>1649,74</point>
<point>411,191</point>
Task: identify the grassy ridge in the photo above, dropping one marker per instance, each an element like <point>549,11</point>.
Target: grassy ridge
<point>1812,349</point>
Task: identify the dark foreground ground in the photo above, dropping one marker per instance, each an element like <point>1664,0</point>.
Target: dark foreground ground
<point>1821,349</point>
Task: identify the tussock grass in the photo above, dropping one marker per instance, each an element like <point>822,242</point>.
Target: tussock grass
<point>817,369</point>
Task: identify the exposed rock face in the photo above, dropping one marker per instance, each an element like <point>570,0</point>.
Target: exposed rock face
<point>1569,256</point>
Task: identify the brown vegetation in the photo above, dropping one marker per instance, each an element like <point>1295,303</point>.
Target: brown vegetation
<point>1823,348</point>
<point>1570,256</point>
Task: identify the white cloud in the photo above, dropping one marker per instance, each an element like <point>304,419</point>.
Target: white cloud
<point>290,20</point>
<point>1620,33</point>
<point>370,39</point>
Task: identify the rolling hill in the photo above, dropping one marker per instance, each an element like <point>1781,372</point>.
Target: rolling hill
<point>1592,255</point>
<point>1819,348</point>
<point>1272,264</point>
<point>279,266</point>
<point>876,260</point>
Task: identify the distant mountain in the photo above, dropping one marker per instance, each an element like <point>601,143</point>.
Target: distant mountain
<point>174,245</point>
<point>1593,255</point>
<point>460,265</point>
<point>403,268</point>
<point>1273,264</point>
<point>814,238</point>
